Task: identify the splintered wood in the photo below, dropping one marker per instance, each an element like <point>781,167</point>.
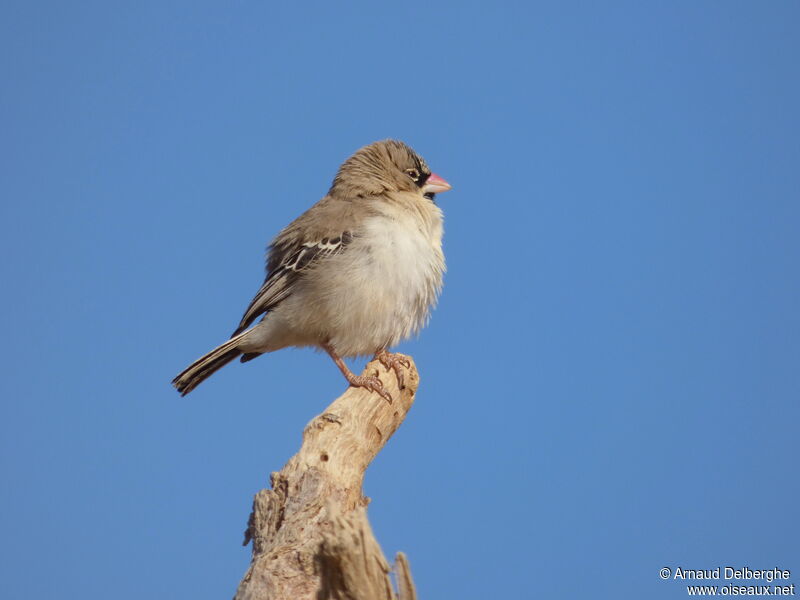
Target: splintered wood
<point>310,533</point>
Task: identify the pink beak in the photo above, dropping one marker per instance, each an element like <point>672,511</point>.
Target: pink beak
<point>435,185</point>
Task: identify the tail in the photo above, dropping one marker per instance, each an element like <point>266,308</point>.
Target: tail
<point>202,368</point>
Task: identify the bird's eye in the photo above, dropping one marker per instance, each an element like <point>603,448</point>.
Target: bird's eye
<point>413,173</point>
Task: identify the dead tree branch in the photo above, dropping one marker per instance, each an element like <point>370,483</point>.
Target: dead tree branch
<point>311,538</point>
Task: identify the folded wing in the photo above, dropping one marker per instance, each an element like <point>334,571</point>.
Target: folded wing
<point>287,263</point>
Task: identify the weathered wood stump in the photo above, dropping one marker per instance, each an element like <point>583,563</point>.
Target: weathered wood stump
<point>311,538</point>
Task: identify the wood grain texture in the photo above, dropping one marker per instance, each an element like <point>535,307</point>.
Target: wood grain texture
<point>310,533</point>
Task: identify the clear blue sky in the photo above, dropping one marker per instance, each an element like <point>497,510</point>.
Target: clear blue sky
<point>609,384</point>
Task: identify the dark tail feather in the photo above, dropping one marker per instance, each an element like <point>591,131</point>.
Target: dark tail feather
<point>250,356</point>
<point>203,367</point>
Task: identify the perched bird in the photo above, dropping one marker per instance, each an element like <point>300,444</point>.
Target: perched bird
<point>354,275</point>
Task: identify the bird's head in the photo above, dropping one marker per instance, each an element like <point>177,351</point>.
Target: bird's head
<point>386,166</point>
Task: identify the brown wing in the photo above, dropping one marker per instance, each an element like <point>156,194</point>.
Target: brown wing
<point>286,264</point>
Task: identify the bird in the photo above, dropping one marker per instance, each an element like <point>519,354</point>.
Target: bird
<point>354,275</point>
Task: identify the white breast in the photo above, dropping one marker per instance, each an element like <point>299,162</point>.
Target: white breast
<point>388,281</point>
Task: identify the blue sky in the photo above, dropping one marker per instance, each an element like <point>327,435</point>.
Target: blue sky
<point>609,384</point>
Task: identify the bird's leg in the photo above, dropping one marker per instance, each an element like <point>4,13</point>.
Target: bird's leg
<point>372,384</point>
<point>393,362</point>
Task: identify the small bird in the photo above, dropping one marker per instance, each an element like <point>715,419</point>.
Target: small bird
<point>354,275</point>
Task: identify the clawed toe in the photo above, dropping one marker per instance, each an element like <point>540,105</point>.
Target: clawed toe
<point>393,362</point>
<point>371,383</point>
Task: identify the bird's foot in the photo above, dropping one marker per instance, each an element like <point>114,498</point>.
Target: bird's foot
<point>394,362</point>
<point>371,383</point>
